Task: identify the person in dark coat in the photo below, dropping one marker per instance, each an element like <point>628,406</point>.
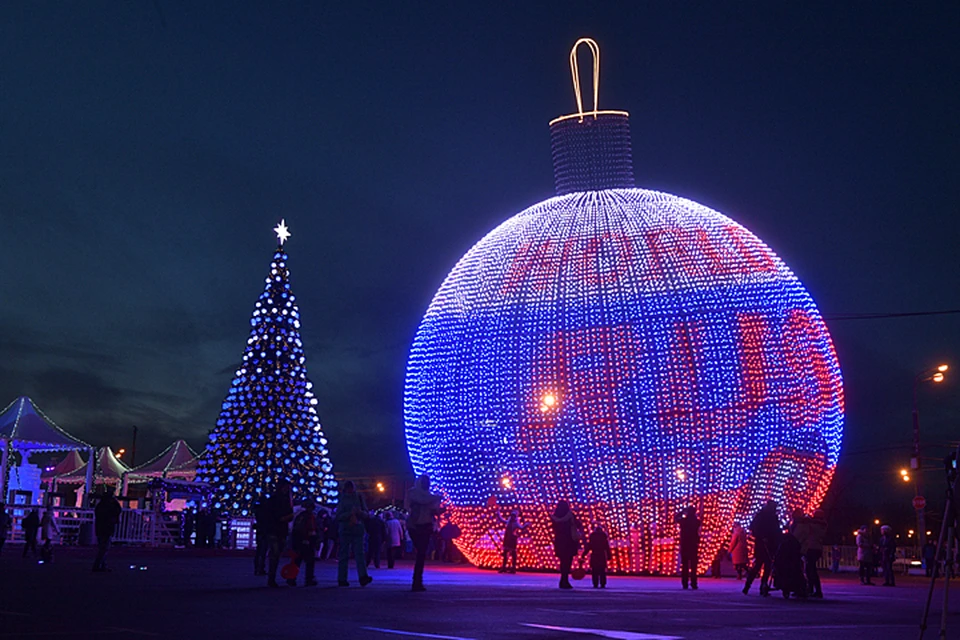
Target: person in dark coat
<point>810,533</point>
<point>929,554</point>
<point>566,540</point>
<point>888,554</point>
<point>30,526</point>
<point>689,546</point>
<point>788,567</point>
<point>598,546</point>
<point>106,515</point>
<point>189,524</point>
<point>511,535</point>
<point>260,517</point>
<point>423,508</point>
<point>279,514</point>
<point>305,539</point>
<point>375,534</point>
<point>765,528</point>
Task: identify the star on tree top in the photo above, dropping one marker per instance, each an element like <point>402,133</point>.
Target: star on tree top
<point>282,232</point>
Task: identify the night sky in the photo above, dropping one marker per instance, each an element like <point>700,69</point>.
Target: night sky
<point>147,150</point>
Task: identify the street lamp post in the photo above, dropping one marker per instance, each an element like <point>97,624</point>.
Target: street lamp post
<point>930,375</point>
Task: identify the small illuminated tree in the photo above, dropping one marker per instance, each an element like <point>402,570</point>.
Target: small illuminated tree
<point>268,427</point>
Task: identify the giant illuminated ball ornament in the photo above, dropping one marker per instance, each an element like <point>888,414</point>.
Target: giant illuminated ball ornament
<point>627,350</point>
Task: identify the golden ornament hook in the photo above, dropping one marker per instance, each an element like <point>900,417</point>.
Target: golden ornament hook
<point>575,72</point>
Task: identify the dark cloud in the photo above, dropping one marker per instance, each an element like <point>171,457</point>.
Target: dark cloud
<point>142,168</point>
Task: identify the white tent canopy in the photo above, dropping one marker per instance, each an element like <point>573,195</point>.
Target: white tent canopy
<point>109,469</point>
<point>176,461</point>
<point>25,428</point>
<point>71,464</point>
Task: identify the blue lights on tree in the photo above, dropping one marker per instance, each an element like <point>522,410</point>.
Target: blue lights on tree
<point>268,426</point>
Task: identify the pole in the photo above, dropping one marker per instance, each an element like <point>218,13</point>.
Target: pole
<point>917,465</point>
<point>88,479</point>
<point>3,472</point>
<point>133,448</point>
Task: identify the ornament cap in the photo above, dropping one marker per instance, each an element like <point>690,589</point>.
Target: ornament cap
<point>591,149</point>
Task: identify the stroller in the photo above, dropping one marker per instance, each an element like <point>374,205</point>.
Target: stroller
<point>788,568</point>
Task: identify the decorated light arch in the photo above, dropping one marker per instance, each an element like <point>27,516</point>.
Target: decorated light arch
<point>627,350</point>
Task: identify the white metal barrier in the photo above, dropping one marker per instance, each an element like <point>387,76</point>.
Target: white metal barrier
<point>136,526</point>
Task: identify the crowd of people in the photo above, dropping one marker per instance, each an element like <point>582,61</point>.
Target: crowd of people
<point>351,530</point>
<point>784,558</point>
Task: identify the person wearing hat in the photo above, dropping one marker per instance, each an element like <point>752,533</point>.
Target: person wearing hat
<point>304,541</point>
<point>888,553</point>
<point>865,555</point>
<point>279,513</point>
<point>739,553</point>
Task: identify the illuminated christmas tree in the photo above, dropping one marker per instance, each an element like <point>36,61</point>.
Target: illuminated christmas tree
<point>268,427</point>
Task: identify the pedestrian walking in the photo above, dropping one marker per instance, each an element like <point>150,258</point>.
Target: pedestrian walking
<point>305,539</point>
<point>189,524</point>
<point>929,553</point>
<point>689,546</point>
<point>106,515</point>
<point>598,546</point>
<point>351,512</point>
<point>5,524</point>
<point>49,531</point>
<point>810,534</point>
<point>376,531</point>
<point>888,554</point>
<point>865,555</point>
<point>394,538</point>
<point>566,540</point>
<point>278,515</point>
<point>423,507</point>
<point>328,530</point>
<point>261,538</point>
<point>30,525</point>
<point>511,534</point>
<point>765,528</point>
<point>739,553</point>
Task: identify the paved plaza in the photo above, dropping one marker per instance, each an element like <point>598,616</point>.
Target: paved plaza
<point>192,594</point>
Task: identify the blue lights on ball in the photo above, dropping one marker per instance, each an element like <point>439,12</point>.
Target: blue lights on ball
<point>627,350</point>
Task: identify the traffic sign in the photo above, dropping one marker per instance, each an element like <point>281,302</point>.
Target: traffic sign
<point>919,503</point>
